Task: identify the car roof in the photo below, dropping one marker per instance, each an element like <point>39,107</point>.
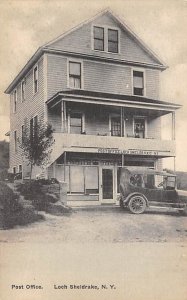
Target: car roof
<point>148,171</point>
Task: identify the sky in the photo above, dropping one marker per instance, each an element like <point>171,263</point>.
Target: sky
<point>161,24</point>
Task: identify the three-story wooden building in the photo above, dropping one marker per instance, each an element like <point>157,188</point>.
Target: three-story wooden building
<point>98,85</point>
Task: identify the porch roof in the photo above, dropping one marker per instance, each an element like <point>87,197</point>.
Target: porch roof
<point>87,96</point>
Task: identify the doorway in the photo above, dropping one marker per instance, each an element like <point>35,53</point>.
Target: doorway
<point>107,184</point>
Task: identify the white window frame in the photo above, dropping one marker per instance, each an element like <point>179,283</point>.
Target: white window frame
<point>140,117</point>
<point>19,168</point>
<point>33,118</point>
<point>22,130</point>
<point>15,100</point>
<point>144,81</point>
<point>80,61</point>
<point>23,82</point>
<point>105,27</point>
<point>35,92</point>
<point>110,123</point>
<point>83,120</point>
<point>15,132</point>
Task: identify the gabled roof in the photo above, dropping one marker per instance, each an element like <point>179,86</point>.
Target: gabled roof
<point>47,48</point>
<point>122,24</point>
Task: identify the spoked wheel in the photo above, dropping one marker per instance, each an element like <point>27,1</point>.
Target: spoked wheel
<point>137,204</point>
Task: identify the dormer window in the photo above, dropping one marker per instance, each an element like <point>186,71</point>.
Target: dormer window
<point>106,39</point>
<point>98,38</point>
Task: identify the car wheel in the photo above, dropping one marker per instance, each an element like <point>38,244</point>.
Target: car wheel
<point>137,204</point>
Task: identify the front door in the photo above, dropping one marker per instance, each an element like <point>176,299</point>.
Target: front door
<point>107,185</point>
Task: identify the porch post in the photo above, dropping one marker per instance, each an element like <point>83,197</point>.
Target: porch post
<point>65,166</point>
<point>173,125</point>
<point>65,122</point>
<point>122,121</point>
<point>122,160</point>
<point>62,116</point>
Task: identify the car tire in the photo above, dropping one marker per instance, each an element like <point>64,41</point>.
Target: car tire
<point>137,204</point>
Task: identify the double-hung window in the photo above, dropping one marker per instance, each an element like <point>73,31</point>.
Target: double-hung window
<point>35,79</point>
<point>106,39</point>
<point>138,83</point>
<point>112,40</point>
<point>15,141</point>
<point>33,127</point>
<point>15,101</point>
<point>75,75</point>
<point>23,84</point>
<point>98,38</point>
<point>139,127</point>
<point>76,122</point>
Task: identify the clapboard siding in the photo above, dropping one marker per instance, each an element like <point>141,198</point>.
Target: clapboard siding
<point>79,41</point>
<point>103,77</point>
<point>154,128</point>
<point>152,84</point>
<point>56,74</point>
<point>107,78</point>
<point>33,105</point>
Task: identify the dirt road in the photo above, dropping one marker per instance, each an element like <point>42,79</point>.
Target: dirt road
<point>102,225</point>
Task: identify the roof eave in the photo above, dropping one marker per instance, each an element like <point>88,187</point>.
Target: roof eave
<point>24,70</point>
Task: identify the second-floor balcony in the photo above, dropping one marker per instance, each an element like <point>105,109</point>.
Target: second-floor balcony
<point>111,128</point>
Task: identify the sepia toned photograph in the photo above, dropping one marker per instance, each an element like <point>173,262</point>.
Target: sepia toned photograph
<point>93,165</point>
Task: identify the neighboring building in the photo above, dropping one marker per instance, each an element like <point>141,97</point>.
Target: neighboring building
<point>98,85</point>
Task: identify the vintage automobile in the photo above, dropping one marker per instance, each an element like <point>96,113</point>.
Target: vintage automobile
<point>144,188</point>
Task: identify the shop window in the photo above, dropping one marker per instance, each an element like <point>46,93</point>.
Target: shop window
<point>98,38</point>
<point>76,123</point>
<point>75,75</point>
<point>138,83</point>
<point>77,179</point>
<point>115,126</point>
<point>91,180</point>
<point>112,40</point>
<point>139,127</point>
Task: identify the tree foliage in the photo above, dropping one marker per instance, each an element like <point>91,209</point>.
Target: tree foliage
<point>4,155</point>
<point>36,143</point>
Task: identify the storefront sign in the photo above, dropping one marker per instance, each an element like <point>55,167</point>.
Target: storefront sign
<point>127,152</point>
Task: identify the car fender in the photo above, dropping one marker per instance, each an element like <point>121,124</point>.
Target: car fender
<point>127,199</point>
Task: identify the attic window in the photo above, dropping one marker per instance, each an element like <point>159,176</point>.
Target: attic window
<point>98,38</point>
<point>113,40</point>
<point>106,39</point>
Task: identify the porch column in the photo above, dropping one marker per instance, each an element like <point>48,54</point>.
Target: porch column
<point>62,116</point>
<point>65,118</point>
<point>64,166</point>
<point>173,125</point>
<point>122,121</point>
